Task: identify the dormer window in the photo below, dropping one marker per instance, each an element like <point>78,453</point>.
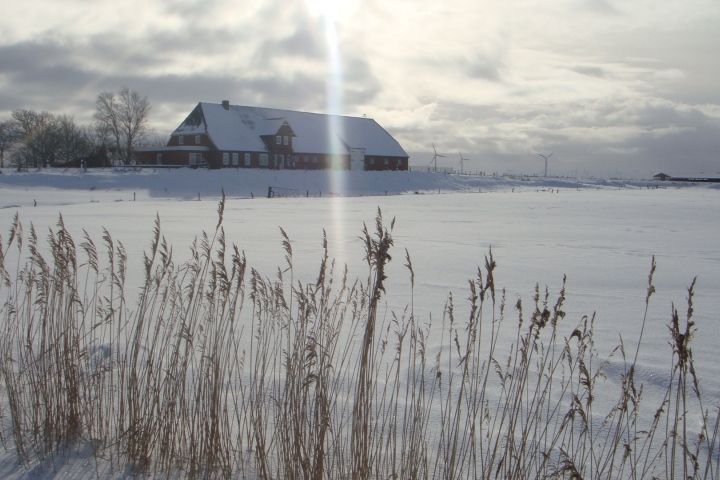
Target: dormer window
<point>285,140</point>
<point>197,139</point>
<point>181,140</point>
<point>278,140</point>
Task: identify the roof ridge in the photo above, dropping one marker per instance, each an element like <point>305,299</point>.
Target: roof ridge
<point>292,111</point>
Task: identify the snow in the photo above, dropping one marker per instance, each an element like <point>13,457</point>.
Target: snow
<point>601,235</point>
<point>119,184</point>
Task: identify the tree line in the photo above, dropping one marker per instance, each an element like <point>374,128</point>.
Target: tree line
<point>31,139</point>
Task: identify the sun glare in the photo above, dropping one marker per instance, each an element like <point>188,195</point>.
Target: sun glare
<point>331,9</point>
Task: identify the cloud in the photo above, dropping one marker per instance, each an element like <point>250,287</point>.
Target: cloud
<point>601,6</point>
<point>602,137</point>
<point>589,70</point>
<point>483,66</point>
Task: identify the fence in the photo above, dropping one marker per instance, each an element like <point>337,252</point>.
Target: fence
<point>274,192</point>
<point>431,169</point>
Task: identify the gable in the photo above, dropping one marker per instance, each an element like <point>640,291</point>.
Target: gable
<point>193,124</point>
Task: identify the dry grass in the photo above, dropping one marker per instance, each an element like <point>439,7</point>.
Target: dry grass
<point>309,381</point>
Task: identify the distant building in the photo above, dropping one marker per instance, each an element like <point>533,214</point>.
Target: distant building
<point>231,136</point>
<point>662,177</point>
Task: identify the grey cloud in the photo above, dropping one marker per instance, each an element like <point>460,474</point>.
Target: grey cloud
<point>457,111</point>
<point>600,6</point>
<point>692,49</point>
<point>22,56</point>
<point>360,84</point>
<point>183,92</point>
<point>658,139</point>
<point>197,39</point>
<point>41,76</point>
<point>693,146</point>
<point>61,78</point>
<point>589,70</point>
<point>648,137</point>
<point>189,8</point>
<point>49,62</point>
<point>483,66</point>
<point>662,116</point>
<point>305,42</point>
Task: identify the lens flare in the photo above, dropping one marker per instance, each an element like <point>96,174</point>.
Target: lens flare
<point>334,96</point>
<point>332,12</point>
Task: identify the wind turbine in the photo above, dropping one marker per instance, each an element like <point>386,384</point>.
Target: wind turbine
<point>546,160</point>
<point>462,161</point>
<point>435,157</point>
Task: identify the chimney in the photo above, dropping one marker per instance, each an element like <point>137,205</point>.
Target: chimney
<point>226,104</point>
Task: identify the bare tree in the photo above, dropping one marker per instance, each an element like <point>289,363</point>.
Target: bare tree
<point>8,138</point>
<point>98,138</point>
<point>154,139</point>
<point>37,139</point>
<point>124,118</point>
<point>73,142</point>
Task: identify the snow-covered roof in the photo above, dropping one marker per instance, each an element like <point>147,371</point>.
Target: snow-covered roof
<point>240,128</point>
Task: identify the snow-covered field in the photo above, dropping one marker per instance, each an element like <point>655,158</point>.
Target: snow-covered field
<point>601,235</point>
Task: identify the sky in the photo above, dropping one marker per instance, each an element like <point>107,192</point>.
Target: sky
<point>609,88</point>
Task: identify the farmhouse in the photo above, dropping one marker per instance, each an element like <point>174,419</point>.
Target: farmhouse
<point>232,136</point>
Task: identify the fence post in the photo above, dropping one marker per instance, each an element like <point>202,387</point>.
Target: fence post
<point>269,192</point>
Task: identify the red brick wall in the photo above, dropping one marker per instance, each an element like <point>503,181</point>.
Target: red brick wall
<point>177,157</point>
<point>214,159</point>
<point>190,141</point>
<point>375,163</point>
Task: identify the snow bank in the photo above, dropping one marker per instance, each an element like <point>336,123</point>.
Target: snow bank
<point>77,186</point>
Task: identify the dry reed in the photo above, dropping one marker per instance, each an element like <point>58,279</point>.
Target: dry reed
<point>311,382</point>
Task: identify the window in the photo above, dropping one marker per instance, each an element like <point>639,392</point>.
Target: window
<point>226,158</point>
<point>282,158</point>
<point>247,159</point>
<point>196,159</point>
<point>159,158</point>
<point>314,159</point>
<point>278,140</point>
<point>263,159</point>
<point>305,158</point>
<point>372,161</point>
<point>197,139</point>
<point>296,158</point>
<point>181,140</point>
<point>386,161</point>
<point>285,140</point>
<point>399,162</point>
<point>235,159</point>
